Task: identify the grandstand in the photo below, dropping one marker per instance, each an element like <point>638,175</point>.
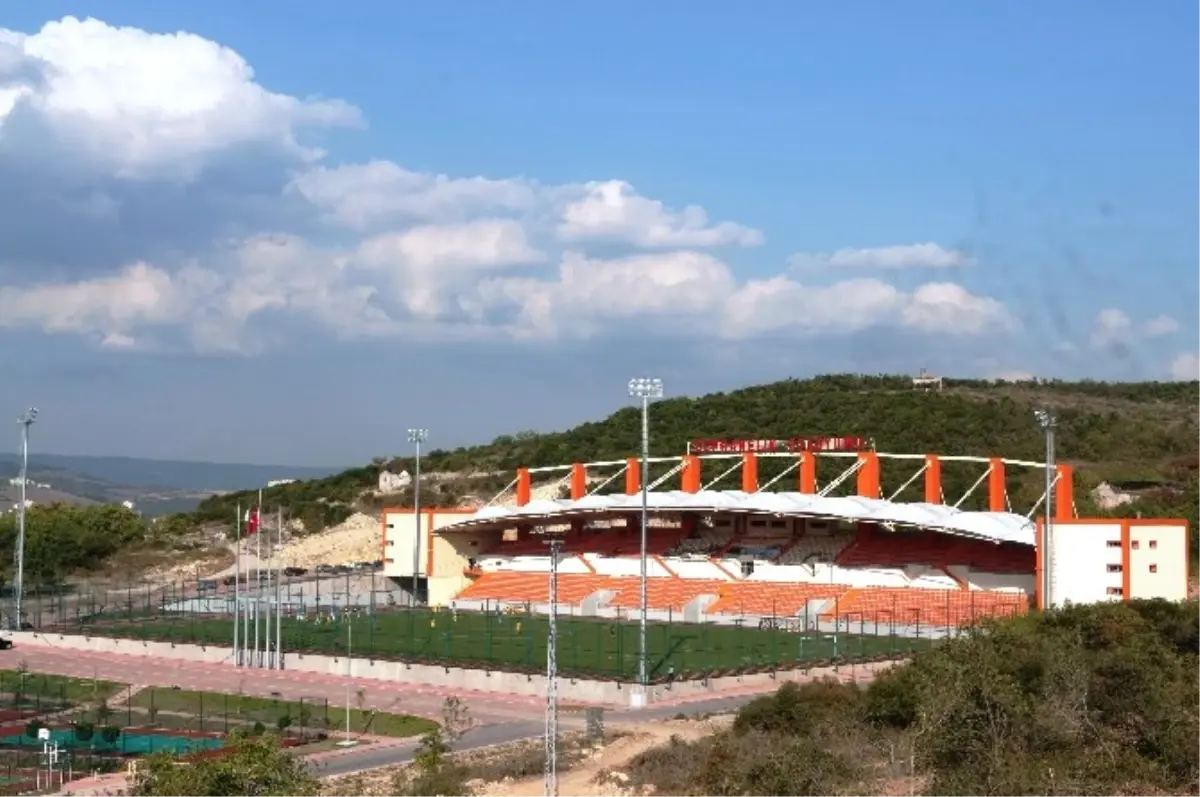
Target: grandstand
<point>735,556</point>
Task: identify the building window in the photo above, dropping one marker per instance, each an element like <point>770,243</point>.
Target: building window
<point>1153,568</point>
<point>1114,543</point>
<point>1153,543</point>
<point>1134,545</point>
<point>1115,591</point>
<point>1114,568</point>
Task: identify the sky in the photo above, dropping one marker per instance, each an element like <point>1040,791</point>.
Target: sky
<point>287,232</point>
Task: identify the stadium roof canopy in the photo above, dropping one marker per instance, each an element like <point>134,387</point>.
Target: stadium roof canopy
<point>993,526</point>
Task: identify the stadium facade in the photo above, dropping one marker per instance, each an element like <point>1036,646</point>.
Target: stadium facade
<point>807,552</point>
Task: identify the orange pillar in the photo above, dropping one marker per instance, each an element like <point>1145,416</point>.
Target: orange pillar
<point>749,473</point>
<point>996,487</point>
<point>933,479</point>
<point>578,481</point>
<point>1064,493</point>
<point>691,474</point>
<point>808,472</point>
<point>868,474</point>
<point>524,486</point>
<point>633,476</point>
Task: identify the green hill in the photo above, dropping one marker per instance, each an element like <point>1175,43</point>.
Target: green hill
<point>1139,437</point>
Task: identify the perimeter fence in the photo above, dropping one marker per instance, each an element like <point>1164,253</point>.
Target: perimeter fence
<point>362,617</point>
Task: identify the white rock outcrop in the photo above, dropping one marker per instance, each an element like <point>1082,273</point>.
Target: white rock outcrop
<point>393,482</point>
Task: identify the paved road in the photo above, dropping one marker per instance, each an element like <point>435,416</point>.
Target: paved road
<point>346,763</point>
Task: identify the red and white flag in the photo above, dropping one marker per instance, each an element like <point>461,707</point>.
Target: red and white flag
<point>253,517</point>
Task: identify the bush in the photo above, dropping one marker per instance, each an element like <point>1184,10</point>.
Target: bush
<point>32,727</point>
<point>1097,699</point>
<point>84,731</point>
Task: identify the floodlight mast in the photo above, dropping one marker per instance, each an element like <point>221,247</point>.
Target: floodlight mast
<point>645,389</point>
<point>26,420</point>
<point>416,437</point>
<point>1048,422</point>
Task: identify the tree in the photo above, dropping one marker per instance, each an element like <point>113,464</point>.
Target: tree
<point>84,731</point>
<point>252,766</point>
<point>433,772</point>
<point>456,719</point>
<point>111,734</point>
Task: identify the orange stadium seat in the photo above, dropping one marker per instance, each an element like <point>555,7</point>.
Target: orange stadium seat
<point>531,587</point>
<point>771,599</point>
<point>662,593</point>
<point>908,606</point>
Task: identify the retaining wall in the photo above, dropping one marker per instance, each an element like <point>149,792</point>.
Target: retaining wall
<point>576,689</point>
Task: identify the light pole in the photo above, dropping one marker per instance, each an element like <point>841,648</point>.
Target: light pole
<point>26,420</point>
<point>1047,421</point>
<point>550,772</point>
<point>416,437</point>
<point>644,389</point>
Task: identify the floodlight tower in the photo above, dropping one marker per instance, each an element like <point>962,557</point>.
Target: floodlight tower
<point>550,772</point>
<point>26,420</point>
<point>416,437</point>
<point>1048,422</point>
<point>644,389</point>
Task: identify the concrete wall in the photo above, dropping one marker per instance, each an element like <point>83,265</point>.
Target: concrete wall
<point>584,691</point>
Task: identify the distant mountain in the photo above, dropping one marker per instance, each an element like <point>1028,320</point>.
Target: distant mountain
<point>156,486</point>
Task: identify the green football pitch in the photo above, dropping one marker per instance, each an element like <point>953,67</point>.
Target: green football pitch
<point>587,647</point>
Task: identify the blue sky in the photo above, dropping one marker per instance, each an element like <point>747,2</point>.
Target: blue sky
<point>484,217</point>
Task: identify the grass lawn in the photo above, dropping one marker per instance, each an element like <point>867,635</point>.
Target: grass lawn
<point>215,710</point>
<point>35,685</point>
<point>587,647</point>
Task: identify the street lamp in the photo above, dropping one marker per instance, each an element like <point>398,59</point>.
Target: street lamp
<point>1047,421</point>
<point>644,389</point>
<point>416,437</point>
<point>26,420</point>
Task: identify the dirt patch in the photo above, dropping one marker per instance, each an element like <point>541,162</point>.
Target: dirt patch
<point>358,539</point>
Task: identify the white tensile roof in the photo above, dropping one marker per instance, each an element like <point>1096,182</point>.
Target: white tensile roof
<point>992,526</point>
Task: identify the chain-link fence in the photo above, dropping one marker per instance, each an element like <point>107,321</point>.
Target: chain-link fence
<point>329,616</point>
<point>98,603</point>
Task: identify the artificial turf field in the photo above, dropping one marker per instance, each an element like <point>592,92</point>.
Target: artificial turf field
<point>587,647</point>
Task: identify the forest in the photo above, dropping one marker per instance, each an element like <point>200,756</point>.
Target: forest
<point>61,539</point>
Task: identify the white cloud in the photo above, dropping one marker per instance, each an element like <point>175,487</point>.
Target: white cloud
<point>361,196</point>
<point>886,258</point>
<point>1159,326</point>
<point>205,220</point>
<point>139,105</point>
<point>1185,367</point>
<point>696,291</point>
<point>614,211</point>
<point>1112,327</point>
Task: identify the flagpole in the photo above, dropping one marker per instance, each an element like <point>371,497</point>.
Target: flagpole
<point>257,576</point>
<point>269,657</point>
<point>278,583</point>
<point>237,567</point>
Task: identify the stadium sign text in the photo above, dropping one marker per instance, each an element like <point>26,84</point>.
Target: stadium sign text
<point>794,445</point>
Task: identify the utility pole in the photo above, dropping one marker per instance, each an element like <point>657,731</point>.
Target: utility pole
<point>26,420</point>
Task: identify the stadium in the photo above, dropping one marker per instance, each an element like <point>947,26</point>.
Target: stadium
<point>858,573</point>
